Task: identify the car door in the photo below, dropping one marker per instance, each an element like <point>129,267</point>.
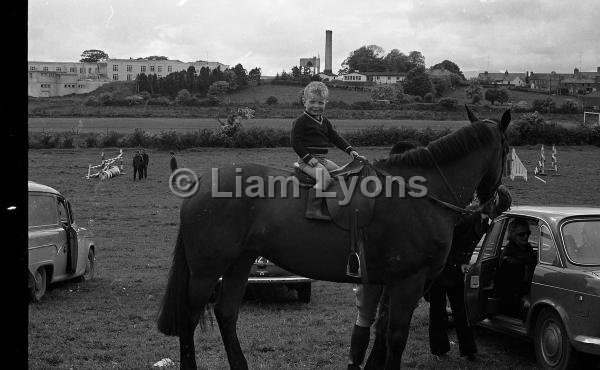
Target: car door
<point>72,253</point>
<point>44,239</point>
<point>479,280</point>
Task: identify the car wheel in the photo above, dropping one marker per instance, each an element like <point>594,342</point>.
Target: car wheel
<point>552,347</point>
<point>304,291</point>
<point>39,285</point>
<point>90,266</point>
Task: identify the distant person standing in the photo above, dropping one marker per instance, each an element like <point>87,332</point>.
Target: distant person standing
<point>137,165</point>
<point>145,161</point>
<point>173,162</point>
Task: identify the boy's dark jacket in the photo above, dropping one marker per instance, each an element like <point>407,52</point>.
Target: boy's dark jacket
<point>309,137</point>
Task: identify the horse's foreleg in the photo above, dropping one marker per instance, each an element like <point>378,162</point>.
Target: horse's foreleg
<point>403,298</point>
<point>227,309</point>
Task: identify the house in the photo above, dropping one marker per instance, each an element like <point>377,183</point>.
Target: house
<point>566,83</point>
<point>504,79</point>
<point>354,77</point>
<point>327,76</point>
<point>385,77</point>
<point>47,79</point>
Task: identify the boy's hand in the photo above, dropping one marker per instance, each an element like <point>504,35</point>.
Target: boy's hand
<point>313,162</point>
<point>355,154</point>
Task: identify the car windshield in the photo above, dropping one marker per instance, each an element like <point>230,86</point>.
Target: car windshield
<point>582,241</point>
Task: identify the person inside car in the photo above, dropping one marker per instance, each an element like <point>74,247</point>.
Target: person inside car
<point>517,262</point>
<point>590,239</point>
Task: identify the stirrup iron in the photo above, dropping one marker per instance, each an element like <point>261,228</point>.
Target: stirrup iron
<point>353,260</point>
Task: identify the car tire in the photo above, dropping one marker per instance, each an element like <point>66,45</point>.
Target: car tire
<point>551,342</point>
<point>304,292</point>
<point>40,281</point>
<point>90,266</point>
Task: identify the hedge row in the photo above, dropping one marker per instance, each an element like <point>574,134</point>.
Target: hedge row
<point>524,131</point>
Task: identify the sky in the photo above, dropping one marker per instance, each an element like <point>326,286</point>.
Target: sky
<point>477,35</point>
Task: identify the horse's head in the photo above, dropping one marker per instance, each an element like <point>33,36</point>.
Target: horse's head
<point>492,178</point>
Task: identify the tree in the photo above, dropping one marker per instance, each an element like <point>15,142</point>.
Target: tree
<point>241,76</point>
<point>156,57</point>
<point>93,56</point>
<point>417,82</point>
<point>503,96</point>
<point>254,75</point>
<point>296,72</point>
<point>217,91</point>
<point>449,66</point>
<point>365,59</point>
<point>491,95</point>
<point>416,59</point>
<point>473,89</point>
<point>396,61</point>
<point>441,84</point>
<point>183,96</point>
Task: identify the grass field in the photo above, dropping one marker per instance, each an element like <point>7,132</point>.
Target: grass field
<point>157,125</point>
<point>109,323</point>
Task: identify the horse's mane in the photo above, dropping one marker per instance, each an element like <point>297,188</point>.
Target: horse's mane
<point>446,148</point>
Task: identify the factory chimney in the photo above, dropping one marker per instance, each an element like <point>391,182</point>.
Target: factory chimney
<point>327,52</point>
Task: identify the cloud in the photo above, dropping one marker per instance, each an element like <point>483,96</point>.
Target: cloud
<point>274,35</point>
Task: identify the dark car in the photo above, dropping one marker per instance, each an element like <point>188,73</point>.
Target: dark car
<point>555,299</point>
<point>265,272</point>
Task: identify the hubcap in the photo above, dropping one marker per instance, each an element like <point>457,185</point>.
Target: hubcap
<point>551,343</point>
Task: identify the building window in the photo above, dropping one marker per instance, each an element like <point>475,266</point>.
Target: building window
<point>159,69</point>
<point>89,71</point>
<point>143,69</point>
<point>46,86</point>
<point>115,68</point>
<point>129,68</point>
<point>57,69</point>
<point>72,69</point>
<point>169,69</point>
<point>82,70</point>
<point>116,77</point>
<point>45,68</point>
<point>31,75</point>
<point>32,68</point>
<point>128,77</point>
<point>151,68</point>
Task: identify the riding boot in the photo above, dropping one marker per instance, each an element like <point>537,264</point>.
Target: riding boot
<point>314,207</point>
<point>358,346</point>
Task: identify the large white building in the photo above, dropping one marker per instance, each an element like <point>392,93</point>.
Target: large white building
<point>47,79</point>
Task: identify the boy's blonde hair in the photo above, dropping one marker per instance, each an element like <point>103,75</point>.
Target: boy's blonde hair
<point>316,88</point>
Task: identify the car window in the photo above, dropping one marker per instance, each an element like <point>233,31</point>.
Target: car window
<point>63,214</point>
<point>548,252</point>
<point>42,210</point>
<point>488,248</point>
<point>533,238</point>
<point>582,241</point>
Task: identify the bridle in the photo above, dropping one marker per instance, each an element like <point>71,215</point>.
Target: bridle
<point>454,207</point>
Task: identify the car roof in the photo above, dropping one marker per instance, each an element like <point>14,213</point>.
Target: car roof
<point>553,214</point>
<point>34,186</point>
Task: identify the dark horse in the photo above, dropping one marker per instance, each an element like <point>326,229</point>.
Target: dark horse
<point>221,237</point>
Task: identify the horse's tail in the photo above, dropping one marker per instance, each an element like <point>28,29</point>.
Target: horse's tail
<point>174,315</point>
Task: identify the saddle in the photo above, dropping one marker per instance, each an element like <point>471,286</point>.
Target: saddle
<point>353,215</point>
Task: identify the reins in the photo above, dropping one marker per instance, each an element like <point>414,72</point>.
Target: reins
<point>443,203</point>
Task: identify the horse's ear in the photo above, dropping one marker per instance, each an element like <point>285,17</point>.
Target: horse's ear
<point>505,120</point>
<point>472,117</point>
